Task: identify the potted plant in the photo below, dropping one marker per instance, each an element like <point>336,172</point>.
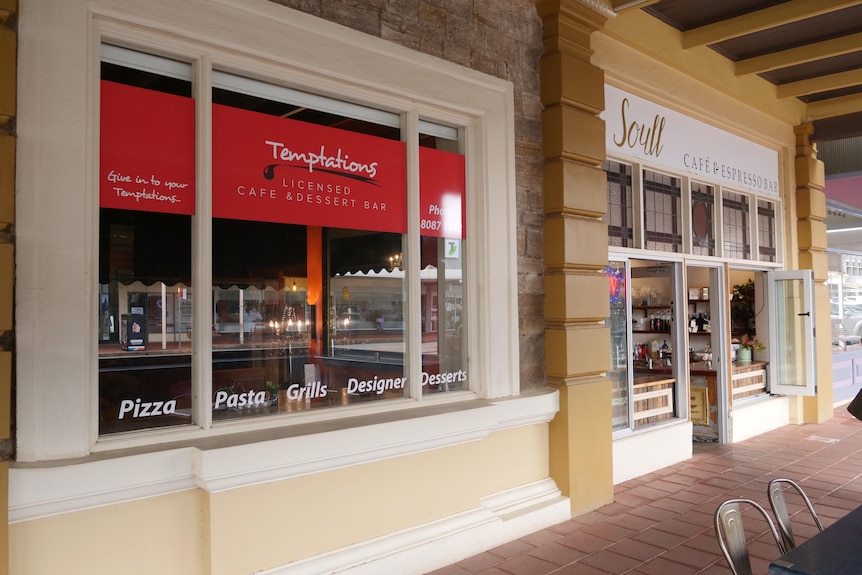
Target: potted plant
<point>272,390</point>
<point>747,345</point>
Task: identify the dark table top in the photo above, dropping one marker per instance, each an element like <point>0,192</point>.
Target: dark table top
<point>837,550</point>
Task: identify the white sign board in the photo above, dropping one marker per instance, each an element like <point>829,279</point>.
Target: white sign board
<point>664,138</point>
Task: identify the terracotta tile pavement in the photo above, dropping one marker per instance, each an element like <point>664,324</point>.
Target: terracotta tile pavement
<point>661,523</point>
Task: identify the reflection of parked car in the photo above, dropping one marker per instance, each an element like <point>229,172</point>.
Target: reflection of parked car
<point>852,318</point>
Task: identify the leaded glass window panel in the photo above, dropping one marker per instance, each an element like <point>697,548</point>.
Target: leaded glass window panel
<point>702,220</point>
<point>619,214</point>
<point>662,212</point>
<point>766,231</point>
<point>735,226</point>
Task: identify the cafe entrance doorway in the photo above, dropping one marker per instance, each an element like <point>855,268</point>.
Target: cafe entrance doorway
<point>707,360</point>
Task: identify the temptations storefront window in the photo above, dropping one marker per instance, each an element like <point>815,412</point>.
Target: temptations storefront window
<point>308,268</point>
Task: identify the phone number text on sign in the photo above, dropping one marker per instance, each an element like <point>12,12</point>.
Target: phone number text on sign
<point>448,228</point>
<point>446,221</point>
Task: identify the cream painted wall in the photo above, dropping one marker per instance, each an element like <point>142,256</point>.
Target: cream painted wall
<point>331,510</point>
<point>263,526</point>
<point>369,500</point>
<point>158,535</point>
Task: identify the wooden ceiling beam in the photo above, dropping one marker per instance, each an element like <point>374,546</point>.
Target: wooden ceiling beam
<point>621,5</point>
<point>820,84</point>
<point>800,55</point>
<point>834,107</point>
<point>785,13</point>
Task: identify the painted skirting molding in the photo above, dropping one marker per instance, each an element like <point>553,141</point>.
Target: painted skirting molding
<point>501,518</point>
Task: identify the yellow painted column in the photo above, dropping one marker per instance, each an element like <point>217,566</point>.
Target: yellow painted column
<point>811,231</point>
<point>577,343</point>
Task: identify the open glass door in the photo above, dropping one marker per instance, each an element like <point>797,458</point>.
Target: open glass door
<point>792,349</point>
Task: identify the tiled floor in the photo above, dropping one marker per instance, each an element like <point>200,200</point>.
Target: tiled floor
<point>661,523</point>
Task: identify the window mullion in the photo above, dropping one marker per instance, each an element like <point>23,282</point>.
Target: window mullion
<point>754,227</point>
<point>412,259</point>
<point>202,248</point>
<point>638,222</point>
<point>685,206</point>
<point>719,221</point>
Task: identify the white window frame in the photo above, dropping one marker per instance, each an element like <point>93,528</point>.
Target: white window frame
<point>57,240</point>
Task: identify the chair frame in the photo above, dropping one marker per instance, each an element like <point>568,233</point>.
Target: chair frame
<point>778,503</point>
<point>730,532</point>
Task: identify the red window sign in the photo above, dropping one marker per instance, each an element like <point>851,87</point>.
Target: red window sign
<point>272,169</point>
<point>147,160</point>
<point>441,191</point>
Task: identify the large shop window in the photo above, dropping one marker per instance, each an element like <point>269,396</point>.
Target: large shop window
<point>308,289</point>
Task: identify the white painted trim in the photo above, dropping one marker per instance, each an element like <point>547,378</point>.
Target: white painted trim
<point>36,492</point>
<point>434,545</point>
<point>636,454</point>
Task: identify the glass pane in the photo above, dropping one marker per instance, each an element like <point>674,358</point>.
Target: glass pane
<point>735,227</point>
<point>443,243</point>
<point>364,360</point>
<point>308,231</point>
<point>790,309</point>
<point>619,214</point>
<point>618,324</point>
<point>766,230</point>
<point>702,219</point>
<point>662,212</point>
<point>654,390</point>
<point>845,303</point>
<point>146,205</point>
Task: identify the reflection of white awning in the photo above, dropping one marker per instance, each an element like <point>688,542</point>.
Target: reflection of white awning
<point>429,273</point>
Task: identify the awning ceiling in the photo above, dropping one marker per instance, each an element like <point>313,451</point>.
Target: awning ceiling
<point>810,50</point>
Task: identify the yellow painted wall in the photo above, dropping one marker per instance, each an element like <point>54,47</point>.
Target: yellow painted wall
<point>262,526</point>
